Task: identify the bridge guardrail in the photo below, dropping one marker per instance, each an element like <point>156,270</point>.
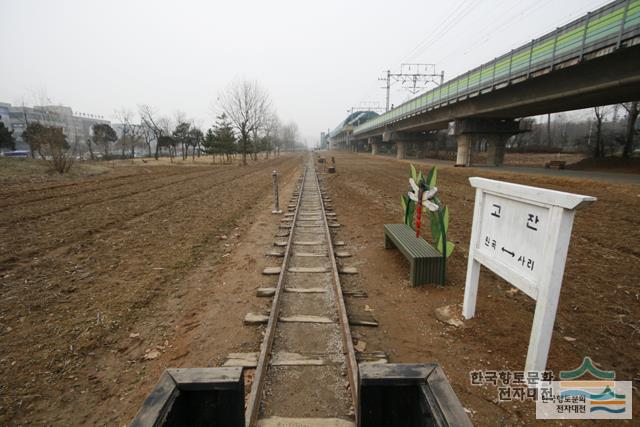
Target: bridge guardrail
<point>609,25</point>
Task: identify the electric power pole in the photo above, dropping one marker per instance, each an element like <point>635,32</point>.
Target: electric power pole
<point>387,87</point>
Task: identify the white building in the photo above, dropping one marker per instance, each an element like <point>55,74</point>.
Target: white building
<point>76,127</point>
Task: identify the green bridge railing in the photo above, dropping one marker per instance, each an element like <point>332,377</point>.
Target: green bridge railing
<point>610,25</point>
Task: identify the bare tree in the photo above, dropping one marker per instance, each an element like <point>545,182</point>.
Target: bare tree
<point>147,136</point>
<point>135,137</point>
<point>52,144</point>
<point>182,124</point>
<point>195,140</point>
<point>125,117</point>
<point>633,109</point>
<point>271,129</point>
<point>247,105</point>
<point>601,114</point>
<point>159,126</point>
<point>290,135</point>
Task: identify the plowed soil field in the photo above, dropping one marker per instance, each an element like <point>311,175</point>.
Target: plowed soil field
<point>599,311</point>
<point>105,280</point>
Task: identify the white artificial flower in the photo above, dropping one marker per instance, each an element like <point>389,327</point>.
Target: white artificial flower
<point>426,202</point>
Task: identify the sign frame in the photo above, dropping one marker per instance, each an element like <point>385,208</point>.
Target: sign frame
<point>545,290</point>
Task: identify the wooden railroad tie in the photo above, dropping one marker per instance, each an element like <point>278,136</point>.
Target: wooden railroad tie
<point>348,270</point>
<point>308,270</point>
<point>268,271</point>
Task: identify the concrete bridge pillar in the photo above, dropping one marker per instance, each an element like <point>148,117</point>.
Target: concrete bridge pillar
<point>375,147</point>
<point>401,148</point>
<point>463,157</point>
<point>495,148</point>
<point>494,131</point>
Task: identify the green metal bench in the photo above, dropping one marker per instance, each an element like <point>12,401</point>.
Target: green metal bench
<point>424,259</point>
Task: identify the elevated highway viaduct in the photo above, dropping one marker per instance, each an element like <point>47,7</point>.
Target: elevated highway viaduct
<point>594,60</point>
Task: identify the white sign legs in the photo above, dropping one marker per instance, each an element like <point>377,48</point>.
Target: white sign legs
<point>473,266</point>
<point>522,234</point>
<point>547,303</point>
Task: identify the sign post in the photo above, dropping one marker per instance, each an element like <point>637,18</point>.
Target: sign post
<point>276,195</point>
<point>522,234</point>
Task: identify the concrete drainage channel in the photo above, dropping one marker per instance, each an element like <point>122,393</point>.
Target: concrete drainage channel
<point>306,372</point>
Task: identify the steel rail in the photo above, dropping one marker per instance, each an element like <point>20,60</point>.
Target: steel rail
<point>257,388</point>
<point>253,406</point>
<point>345,330</point>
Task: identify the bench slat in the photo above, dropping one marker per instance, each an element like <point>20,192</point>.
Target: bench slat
<point>424,259</point>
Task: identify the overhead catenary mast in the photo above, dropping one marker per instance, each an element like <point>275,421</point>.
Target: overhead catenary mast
<point>413,77</point>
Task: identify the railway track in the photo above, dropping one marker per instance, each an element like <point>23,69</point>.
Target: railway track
<point>306,372</point>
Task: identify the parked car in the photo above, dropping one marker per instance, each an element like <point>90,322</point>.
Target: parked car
<point>16,153</point>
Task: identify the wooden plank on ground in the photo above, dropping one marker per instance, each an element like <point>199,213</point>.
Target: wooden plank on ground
<point>275,253</point>
<point>266,292</point>
<point>244,360</point>
<point>255,319</point>
<point>305,318</point>
<point>306,290</point>
<point>295,359</point>
<point>308,254</point>
<point>355,294</point>
<point>308,270</point>
<point>308,242</point>
<point>271,271</point>
<point>360,320</point>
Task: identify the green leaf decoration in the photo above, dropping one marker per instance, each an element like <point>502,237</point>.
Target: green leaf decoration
<point>420,178</point>
<point>450,247</point>
<point>434,222</point>
<point>432,178</point>
<point>445,218</point>
<point>414,174</point>
<point>410,213</point>
<point>429,175</point>
<point>408,206</point>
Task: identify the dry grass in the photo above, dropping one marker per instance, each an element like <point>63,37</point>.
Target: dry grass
<point>12,169</point>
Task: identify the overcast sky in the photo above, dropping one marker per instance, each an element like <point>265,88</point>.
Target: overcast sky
<point>317,59</point>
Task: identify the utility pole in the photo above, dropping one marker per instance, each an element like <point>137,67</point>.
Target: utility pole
<point>387,87</point>
<point>413,77</point>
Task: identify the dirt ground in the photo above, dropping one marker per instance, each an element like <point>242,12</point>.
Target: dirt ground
<point>599,312</point>
<point>108,279</point>
<point>112,275</point>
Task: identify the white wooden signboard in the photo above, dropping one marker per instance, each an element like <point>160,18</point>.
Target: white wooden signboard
<point>522,234</point>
